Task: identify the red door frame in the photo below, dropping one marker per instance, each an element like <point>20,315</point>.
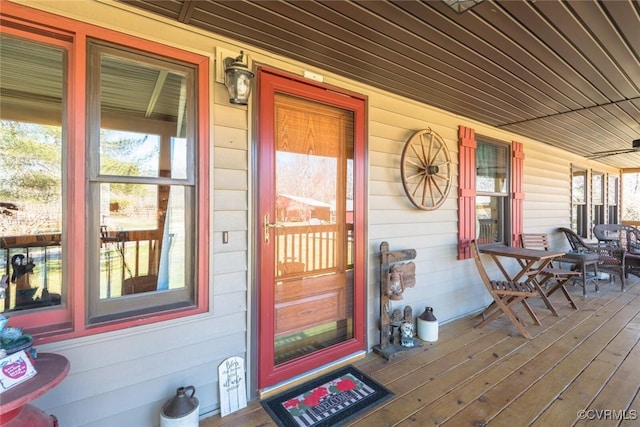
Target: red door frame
<point>271,82</point>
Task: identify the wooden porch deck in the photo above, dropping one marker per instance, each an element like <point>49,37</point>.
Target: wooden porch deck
<point>587,359</point>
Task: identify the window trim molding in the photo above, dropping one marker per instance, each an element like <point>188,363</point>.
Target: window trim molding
<point>70,320</point>
<point>467,145</point>
<point>589,204</point>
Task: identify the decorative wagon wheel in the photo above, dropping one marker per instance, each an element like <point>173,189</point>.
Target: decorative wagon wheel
<point>425,166</point>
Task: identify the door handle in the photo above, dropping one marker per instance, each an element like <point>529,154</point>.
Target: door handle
<point>268,225</point>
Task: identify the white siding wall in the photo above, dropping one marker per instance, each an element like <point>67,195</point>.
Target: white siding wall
<point>123,378</point>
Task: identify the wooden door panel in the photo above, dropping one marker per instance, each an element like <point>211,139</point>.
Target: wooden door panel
<point>308,302</point>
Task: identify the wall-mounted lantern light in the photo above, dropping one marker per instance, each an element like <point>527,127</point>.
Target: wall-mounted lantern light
<point>237,79</point>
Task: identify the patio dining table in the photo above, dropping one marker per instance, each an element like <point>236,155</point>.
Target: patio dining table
<point>531,262</point>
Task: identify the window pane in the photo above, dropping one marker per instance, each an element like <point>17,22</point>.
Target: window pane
<point>612,194</point>
<point>129,153</point>
<point>597,183</point>
<point>490,215</point>
<point>149,99</point>
<point>578,202</point>
<point>144,238</point>
<point>631,197</point>
<point>598,189</point>
<point>612,199</point>
<point>31,143</point>
<point>142,186</point>
<point>492,168</point>
<point>492,186</point>
<point>579,219</point>
<point>578,189</point>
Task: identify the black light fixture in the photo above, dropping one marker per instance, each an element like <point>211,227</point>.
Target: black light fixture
<point>461,6</point>
<point>237,79</point>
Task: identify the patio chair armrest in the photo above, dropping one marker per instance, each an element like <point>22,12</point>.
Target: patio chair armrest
<point>611,256</point>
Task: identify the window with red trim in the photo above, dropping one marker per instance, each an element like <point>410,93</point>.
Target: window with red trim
<point>490,195</point>
<point>103,180</point>
<point>493,186</point>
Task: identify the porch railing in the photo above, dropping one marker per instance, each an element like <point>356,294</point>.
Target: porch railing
<point>312,248</point>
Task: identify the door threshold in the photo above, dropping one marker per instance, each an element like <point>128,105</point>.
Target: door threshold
<point>302,378</point>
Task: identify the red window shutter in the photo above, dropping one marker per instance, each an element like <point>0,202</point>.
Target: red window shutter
<point>466,190</point>
<point>517,196</point>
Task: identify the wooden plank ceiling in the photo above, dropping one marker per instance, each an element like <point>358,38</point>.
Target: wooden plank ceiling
<point>563,72</point>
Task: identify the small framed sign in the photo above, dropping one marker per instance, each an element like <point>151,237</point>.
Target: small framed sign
<point>14,369</point>
<point>233,389</point>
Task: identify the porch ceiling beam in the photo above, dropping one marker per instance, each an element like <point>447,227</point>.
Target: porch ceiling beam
<point>186,11</point>
<point>153,100</point>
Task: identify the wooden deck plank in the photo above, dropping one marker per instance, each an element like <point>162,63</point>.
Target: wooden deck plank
<point>587,336</point>
<point>492,375</point>
<point>452,331</point>
<point>423,387</point>
<point>396,368</point>
<point>563,411</point>
<point>634,412</point>
<point>618,393</point>
<point>472,339</point>
<point>442,388</point>
<point>514,367</point>
<point>253,415</point>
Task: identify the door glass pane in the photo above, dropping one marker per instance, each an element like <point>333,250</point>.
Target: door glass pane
<point>313,231</point>
<point>31,171</point>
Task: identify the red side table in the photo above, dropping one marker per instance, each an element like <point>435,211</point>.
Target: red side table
<point>15,409</point>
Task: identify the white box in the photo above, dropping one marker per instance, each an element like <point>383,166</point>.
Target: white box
<point>14,369</point>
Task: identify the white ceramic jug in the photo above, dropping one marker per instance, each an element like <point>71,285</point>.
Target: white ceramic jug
<point>428,326</point>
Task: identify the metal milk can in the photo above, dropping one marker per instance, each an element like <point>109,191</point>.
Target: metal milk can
<point>183,410</point>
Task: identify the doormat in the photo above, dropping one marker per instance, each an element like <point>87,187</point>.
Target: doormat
<point>329,400</point>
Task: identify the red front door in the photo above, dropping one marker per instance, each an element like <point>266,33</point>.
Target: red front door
<point>311,182</point>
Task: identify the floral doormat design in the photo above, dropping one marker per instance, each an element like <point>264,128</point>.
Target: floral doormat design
<point>326,401</point>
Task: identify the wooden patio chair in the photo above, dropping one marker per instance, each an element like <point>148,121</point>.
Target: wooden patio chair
<point>505,295</point>
<point>552,278</point>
